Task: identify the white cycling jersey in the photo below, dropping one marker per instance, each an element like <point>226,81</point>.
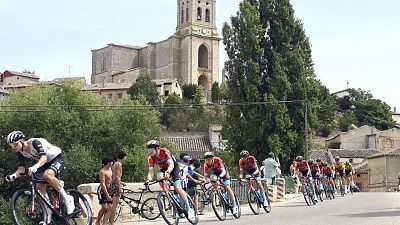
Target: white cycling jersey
<point>37,148</point>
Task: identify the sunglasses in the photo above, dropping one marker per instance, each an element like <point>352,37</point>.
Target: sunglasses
<point>150,150</point>
<point>14,144</point>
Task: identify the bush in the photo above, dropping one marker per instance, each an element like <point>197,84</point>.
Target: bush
<point>334,145</point>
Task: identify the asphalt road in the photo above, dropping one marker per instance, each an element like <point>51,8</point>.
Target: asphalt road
<point>360,208</point>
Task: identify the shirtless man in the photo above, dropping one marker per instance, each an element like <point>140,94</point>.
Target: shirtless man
<point>116,184</point>
<point>103,192</point>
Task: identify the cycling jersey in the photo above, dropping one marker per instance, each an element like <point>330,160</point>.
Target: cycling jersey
<point>249,165</point>
<point>184,171</point>
<point>216,166</point>
<point>338,166</point>
<point>348,168</point>
<point>314,167</point>
<point>162,159</point>
<point>302,166</point>
<point>37,148</point>
<point>327,170</point>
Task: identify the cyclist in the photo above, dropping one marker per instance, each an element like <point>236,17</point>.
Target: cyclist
<point>50,164</point>
<point>349,171</point>
<point>168,168</point>
<point>218,170</point>
<point>248,165</point>
<point>303,171</point>
<point>315,171</point>
<point>338,167</point>
<point>327,171</point>
<point>103,191</point>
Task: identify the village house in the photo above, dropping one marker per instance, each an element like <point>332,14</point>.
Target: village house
<point>384,169</point>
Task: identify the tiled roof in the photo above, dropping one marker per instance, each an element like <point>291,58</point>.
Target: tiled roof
<point>322,154</point>
<point>356,153</point>
<point>194,144</point>
<point>3,91</point>
<point>216,127</point>
<point>17,85</point>
<point>394,152</point>
<point>108,86</point>
<point>362,167</point>
<point>24,74</point>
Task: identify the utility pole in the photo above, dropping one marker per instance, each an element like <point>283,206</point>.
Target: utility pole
<point>69,69</point>
<point>306,128</point>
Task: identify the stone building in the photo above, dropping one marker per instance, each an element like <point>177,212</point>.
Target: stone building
<point>384,169</point>
<point>190,55</point>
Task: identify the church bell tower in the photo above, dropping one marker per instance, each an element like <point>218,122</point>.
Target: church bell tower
<point>199,41</point>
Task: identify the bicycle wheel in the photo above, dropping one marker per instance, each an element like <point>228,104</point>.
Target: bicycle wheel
<point>168,209</point>
<point>239,213</point>
<point>332,190</point>
<point>305,194</point>
<point>218,205</point>
<point>267,208</point>
<point>82,214</point>
<point>202,201</point>
<point>318,192</point>
<point>149,209</point>
<point>342,191</point>
<point>351,188</point>
<point>194,220</point>
<point>22,210</point>
<point>252,199</point>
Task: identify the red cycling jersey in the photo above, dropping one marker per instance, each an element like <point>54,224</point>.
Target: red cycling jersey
<point>314,167</point>
<point>161,158</point>
<point>249,164</point>
<point>320,164</point>
<point>216,166</point>
<point>327,170</point>
<point>302,166</point>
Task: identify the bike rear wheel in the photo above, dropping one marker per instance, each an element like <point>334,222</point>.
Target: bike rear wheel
<point>202,201</point>
<point>218,205</point>
<point>149,209</point>
<point>22,210</point>
<point>82,214</point>
<point>194,220</point>
<point>305,194</point>
<point>168,209</point>
<point>239,212</point>
<point>267,207</point>
<point>252,199</point>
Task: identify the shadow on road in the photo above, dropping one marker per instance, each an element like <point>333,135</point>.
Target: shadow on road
<point>373,214</point>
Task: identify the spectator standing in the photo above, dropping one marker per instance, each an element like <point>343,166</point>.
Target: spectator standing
<point>270,167</point>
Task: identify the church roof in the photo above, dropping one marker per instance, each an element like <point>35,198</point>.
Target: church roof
<point>127,46</point>
<point>29,75</point>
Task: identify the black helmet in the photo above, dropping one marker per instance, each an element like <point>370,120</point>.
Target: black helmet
<point>153,144</point>
<point>244,153</point>
<point>318,160</point>
<point>347,163</point>
<point>310,161</point>
<point>324,164</point>
<point>14,137</point>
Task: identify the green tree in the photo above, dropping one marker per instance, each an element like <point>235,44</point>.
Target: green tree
<point>270,60</point>
<point>146,87</point>
<point>189,91</point>
<point>215,92</point>
<point>348,118</point>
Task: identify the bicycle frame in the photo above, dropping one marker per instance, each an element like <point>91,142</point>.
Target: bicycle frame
<point>128,200</point>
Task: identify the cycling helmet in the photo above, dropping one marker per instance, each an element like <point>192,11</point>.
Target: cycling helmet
<point>153,144</point>
<point>299,158</point>
<point>337,158</point>
<point>324,164</point>
<point>347,163</point>
<point>14,137</point>
<point>318,160</point>
<point>208,155</point>
<point>244,153</point>
<point>310,161</point>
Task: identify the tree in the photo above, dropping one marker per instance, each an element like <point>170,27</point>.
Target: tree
<point>270,60</point>
<point>144,86</point>
<point>188,91</point>
<point>348,118</point>
<point>215,92</point>
<point>365,109</point>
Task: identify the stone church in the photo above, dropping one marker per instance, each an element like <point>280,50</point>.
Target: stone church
<point>189,56</point>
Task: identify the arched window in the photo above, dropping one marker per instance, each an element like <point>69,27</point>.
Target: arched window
<point>187,14</point>
<point>182,16</point>
<point>199,11</point>
<point>203,57</point>
<point>203,81</point>
<point>207,19</point>
<point>103,65</point>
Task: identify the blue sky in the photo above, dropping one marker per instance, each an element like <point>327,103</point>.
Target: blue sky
<point>356,41</point>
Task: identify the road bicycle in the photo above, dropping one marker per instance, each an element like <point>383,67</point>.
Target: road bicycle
<point>30,206</point>
<point>318,188</point>
<point>204,195</point>
<point>339,183</point>
<point>307,190</point>
<point>220,201</point>
<point>254,197</point>
<point>172,207</point>
<point>147,209</point>
<point>328,187</point>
